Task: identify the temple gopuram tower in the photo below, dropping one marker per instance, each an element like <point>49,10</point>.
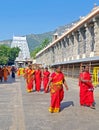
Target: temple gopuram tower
<point>24,54</point>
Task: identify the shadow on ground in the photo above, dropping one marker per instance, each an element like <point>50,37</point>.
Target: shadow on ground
<point>9,81</point>
<point>66,104</point>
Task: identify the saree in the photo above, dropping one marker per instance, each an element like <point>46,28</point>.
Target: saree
<point>5,74</point>
<point>37,80</point>
<point>46,75</point>
<point>86,95</point>
<point>83,91</point>
<point>29,80</point>
<point>57,92</point>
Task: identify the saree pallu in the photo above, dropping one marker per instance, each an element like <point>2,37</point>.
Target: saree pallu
<point>18,72</point>
<point>45,79</point>
<point>37,80</point>
<point>82,94</point>
<point>38,84</point>
<point>57,95</point>
<point>45,82</point>
<point>30,85</point>
<point>5,74</point>
<point>90,98</point>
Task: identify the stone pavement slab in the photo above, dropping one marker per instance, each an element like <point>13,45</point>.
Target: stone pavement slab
<point>11,110</point>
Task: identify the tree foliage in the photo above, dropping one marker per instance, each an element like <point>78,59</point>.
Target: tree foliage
<point>7,54</point>
<point>40,47</point>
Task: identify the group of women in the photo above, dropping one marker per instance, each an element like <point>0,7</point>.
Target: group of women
<point>34,77</point>
<point>55,82</point>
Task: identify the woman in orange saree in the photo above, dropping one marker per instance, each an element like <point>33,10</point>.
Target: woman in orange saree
<point>5,73</point>
<point>18,72</point>
<point>29,78</point>
<point>56,88</point>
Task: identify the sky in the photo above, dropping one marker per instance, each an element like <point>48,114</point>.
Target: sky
<point>22,17</point>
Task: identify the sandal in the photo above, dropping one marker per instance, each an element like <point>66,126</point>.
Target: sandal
<point>92,107</point>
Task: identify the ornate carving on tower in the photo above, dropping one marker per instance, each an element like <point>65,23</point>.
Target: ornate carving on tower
<point>22,44</point>
<point>24,55</point>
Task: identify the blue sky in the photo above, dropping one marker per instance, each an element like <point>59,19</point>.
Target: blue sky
<point>21,17</point>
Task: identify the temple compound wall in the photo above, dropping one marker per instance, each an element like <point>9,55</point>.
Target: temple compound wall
<point>78,45</point>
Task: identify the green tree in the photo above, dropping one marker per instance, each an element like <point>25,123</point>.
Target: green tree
<point>4,52</point>
<point>13,53</point>
<point>45,43</point>
<point>7,54</point>
<point>40,47</point>
<point>3,60</point>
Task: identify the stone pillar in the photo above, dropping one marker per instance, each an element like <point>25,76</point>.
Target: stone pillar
<point>83,42</point>
<point>88,41</point>
<point>55,53</point>
<point>70,47</point>
<point>75,49</point>
<point>64,49</point>
<point>49,56</point>
<point>61,49</point>
<point>96,38</point>
<point>79,39</point>
<point>67,48</point>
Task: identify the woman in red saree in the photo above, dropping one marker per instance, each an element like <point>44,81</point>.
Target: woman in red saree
<point>37,79</point>
<point>46,75</point>
<point>82,92</point>
<point>86,88</point>
<point>56,88</point>
<point>29,78</point>
<point>1,74</point>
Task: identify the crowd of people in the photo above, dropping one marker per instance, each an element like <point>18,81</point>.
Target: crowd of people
<point>6,71</point>
<point>54,82</point>
<point>36,77</point>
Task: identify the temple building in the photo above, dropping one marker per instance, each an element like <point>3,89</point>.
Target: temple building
<point>78,45</point>
<point>24,54</point>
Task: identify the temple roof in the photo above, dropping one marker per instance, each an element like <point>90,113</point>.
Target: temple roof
<point>95,58</point>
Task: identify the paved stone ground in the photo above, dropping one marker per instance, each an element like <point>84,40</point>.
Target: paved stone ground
<point>20,110</point>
